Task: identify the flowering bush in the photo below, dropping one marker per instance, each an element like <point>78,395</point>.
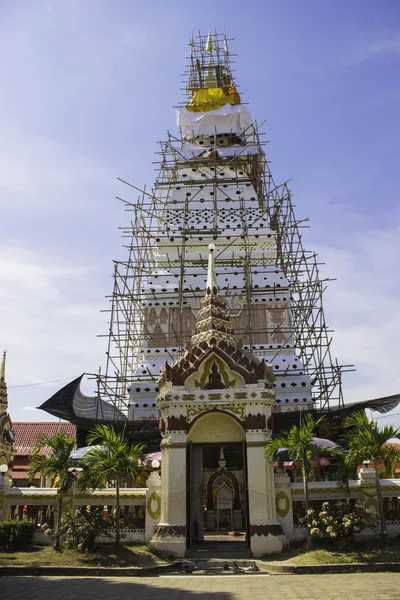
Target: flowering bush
<point>81,530</point>
<point>339,519</point>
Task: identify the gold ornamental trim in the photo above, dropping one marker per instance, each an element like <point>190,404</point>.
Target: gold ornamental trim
<point>372,503</point>
<point>154,514</point>
<point>193,411</point>
<point>372,495</point>
<point>108,495</point>
<point>279,498</point>
<point>255,444</point>
<point>172,445</point>
<point>235,409</point>
<point>390,488</point>
<point>334,490</point>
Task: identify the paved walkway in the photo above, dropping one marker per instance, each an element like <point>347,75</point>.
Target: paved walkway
<point>283,587</point>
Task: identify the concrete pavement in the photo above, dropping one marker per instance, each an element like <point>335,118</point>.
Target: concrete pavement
<point>354,586</point>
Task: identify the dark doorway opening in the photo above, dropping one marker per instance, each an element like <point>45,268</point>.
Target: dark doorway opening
<point>217,497</point>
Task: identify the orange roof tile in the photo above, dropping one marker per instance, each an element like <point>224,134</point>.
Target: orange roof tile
<point>27,434</point>
<point>23,475</point>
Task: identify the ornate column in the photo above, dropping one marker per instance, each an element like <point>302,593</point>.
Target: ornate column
<point>266,535</point>
<point>170,533</point>
<point>284,504</point>
<point>153,505</point>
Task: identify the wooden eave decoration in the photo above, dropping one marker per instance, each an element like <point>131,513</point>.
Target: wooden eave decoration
<point>237,361</point>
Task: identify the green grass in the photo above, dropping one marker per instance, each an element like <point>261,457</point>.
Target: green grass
<point>357,553</point>
<point>133,555</point>
<point>136,555</point>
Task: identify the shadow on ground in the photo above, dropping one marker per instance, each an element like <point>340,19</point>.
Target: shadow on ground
<point>97,588</point>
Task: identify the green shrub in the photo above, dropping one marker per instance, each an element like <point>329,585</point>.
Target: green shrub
<point>339,519</point>
<point>81,530</point>
<point>16,535</point>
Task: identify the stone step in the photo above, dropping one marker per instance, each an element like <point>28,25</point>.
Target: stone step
<point>220,566</point>
<point>209,550</point>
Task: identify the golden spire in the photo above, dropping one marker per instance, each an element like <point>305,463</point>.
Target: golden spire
<point>212,284</point>
<point>213,320</point>
<point>209,44</point>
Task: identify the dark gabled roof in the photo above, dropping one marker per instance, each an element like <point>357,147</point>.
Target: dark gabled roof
<point>86,411</point>
<point>71,404</point>
<point>333,425</point>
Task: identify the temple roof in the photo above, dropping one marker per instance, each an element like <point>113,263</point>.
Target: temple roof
<point>71,404</point>
<point>28,434</point>
<point>85,412</point>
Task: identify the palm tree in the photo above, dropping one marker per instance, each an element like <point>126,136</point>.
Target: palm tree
<point>109,462</point>
<point>52,458</point>
<point>297,445</point>
<point>367,441</point>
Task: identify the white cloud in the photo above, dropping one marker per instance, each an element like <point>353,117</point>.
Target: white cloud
<point>24,275</point>
<point>47,333</point>
<point>37,172</point>
<point>388,46</point>
<point>383,48</point>
<point>362,306</point>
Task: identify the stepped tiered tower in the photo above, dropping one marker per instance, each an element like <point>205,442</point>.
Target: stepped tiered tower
<point>214,186</point>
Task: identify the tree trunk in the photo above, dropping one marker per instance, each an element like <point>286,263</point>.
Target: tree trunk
<point>57,541</point>
<point>117,520</point>
<point>384,534</point>
<point>307,506</point>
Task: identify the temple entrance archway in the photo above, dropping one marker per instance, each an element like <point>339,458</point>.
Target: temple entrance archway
<point>217,481</point>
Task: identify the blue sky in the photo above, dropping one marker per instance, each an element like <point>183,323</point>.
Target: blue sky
<point>87,90</point>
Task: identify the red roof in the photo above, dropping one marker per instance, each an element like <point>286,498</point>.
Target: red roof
<point>27,434</point>
<point>23,475</point>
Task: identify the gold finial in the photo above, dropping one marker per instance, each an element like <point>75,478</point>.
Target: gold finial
<point>3,367</point>
<point>212,285</point>
<point>209,44</point>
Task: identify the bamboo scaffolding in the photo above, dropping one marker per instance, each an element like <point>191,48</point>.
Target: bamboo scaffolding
<point>128,334</point>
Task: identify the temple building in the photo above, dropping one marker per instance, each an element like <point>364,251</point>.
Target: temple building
<point>216,402</point>
<point>217,333</point>
<point>214,186</point>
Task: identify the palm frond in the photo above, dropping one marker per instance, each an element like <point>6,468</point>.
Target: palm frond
<point>56,461</point>
<point>111,459</point>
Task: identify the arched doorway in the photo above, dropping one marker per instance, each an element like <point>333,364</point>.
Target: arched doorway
<point>217,480</point>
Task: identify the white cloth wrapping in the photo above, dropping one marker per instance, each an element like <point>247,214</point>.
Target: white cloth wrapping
<point>189,150</point>
<point>227,119</point>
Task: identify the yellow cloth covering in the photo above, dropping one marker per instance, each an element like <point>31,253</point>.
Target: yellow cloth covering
<point>206,99</point>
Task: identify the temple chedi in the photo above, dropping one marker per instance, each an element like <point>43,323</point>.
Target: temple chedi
<point>6,433</point>
<point>212,189</point>
<point>216,326</point>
